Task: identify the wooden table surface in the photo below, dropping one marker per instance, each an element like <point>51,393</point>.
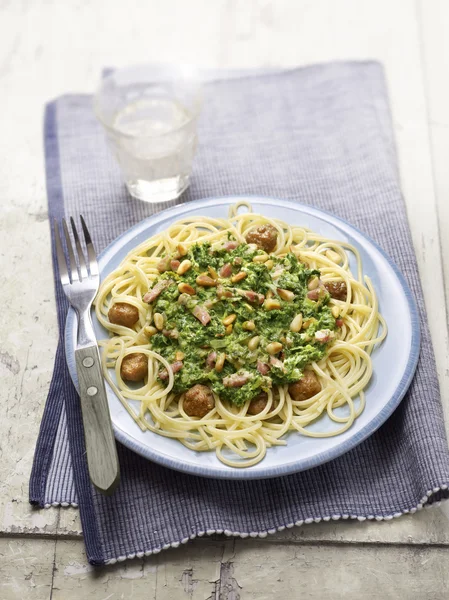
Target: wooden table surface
<point>51,48</point>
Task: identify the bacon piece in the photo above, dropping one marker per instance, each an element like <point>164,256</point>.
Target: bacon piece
<point>324,336</point>
<point>318,292</point>
<point>230,245</point>
<point>171,333</point>
<point>226,270</point>
<point>277,272</point>
<point>211,360</point>
<point>201,314</point>
<point>157,290</point>
<point>210,303</point>
<point>174,264</point>
<point>164,264</point>
<point>223,292</point>
<point>262,367</point>
<point>314,294</point>
<point>251,296</point>
<point>275,362</point>
<point>175,367</point>
<point>237,379</point>
<point>339,322</point>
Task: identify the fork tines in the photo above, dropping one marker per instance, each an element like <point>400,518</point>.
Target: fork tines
<point>75,268</point>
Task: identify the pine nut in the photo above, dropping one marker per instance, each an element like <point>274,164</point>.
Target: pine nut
<point>260,258</point>
<point>185,288</point>
<point>205,281</point>
<point>184,267</point>
<point>334,257</point>
<point>269,264</point>
<point>228,329</point>
<point>219,364</point>
<point>269,294</point>
<point>213,273</point>
<point>149,330</point>
<point>229,319</point>
<point>335,311</point>
<point>271,304</point>
<point>253,342</point>
<point>182,250</point>
<point>249,326</point>
<point>273,348</point>
<point>179,355</point>
<point>239,277</point>
<point>306,324</point>
<point>313,283</point>
<point>159,321</point>
<point>285,294</point>
<point>296,324</point>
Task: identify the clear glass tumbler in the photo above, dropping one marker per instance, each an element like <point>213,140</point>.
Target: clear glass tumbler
<point>150,116</point>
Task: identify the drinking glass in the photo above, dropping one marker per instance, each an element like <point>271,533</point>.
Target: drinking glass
<point>150,116</point>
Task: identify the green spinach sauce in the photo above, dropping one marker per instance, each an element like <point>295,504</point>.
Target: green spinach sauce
<point>184,333</point>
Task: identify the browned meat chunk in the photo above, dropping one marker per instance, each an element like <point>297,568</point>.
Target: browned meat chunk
<point>265,236</point>
<point>258,404</point>
<point>134,367</point>
<point>124,314</point>
<point>337,289</point>
<point>198,401</point>
<point>306,387</point>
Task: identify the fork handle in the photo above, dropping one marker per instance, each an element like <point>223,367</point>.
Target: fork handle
<point>101,450</point>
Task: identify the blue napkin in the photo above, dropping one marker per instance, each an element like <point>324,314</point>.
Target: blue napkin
<point>319,135</point>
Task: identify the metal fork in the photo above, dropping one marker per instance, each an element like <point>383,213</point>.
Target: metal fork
<point>80,282</point>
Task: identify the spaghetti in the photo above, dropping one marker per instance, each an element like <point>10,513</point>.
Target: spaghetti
<point>246,382</point>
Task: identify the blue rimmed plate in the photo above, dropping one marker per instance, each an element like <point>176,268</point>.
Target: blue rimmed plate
<point>394,362</point>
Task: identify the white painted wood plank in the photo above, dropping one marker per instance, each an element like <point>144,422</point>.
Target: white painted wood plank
<point>250,570</point>
<point>26,569</point>
<point>434,16</point>
<point>40,57</point>
<point>351,573</point>
<point>434,19</point>
<point>30,569</point>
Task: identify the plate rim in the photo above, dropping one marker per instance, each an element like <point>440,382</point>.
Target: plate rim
<point>302,464</point>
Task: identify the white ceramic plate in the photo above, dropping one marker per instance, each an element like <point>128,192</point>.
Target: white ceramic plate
<point>394,361</point>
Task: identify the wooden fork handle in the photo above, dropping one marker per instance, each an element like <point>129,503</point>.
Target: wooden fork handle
<point>101,450</point>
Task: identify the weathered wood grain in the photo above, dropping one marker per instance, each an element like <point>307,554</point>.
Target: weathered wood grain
<point>26,569</point>
<point>241,570</point>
